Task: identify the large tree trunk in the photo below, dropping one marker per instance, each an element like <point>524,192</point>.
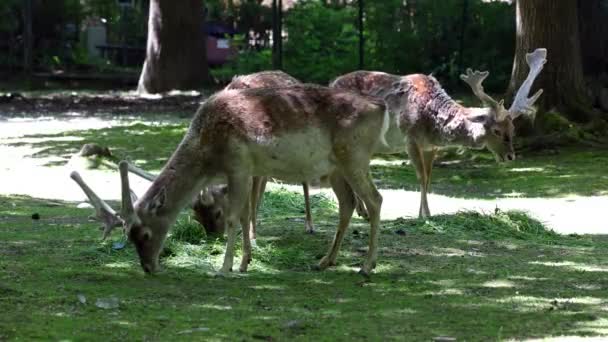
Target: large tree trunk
<point>553,25</point>
<point>175,55</point>
<point>593,20</point>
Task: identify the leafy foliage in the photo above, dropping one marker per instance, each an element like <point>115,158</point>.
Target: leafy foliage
<point>322,41</point>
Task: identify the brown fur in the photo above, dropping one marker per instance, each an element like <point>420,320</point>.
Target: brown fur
<point>237,134</point>
<point>429,119</point>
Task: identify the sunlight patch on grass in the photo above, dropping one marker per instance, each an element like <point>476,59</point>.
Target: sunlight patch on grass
<point>119,264</point>
<point>526,278</point>
<point>573,266</point>
<point>444,292</point>
<point>454,252</point>
<point>499,283</point>
<point>214,307</point>
<point>527,169</point>
<point>266,287</point>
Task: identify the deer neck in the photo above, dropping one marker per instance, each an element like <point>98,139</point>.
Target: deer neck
<point>474,128</point>
<point>174,188</point>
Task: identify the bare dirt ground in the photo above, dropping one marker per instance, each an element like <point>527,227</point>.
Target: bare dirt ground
<point>23,175</point>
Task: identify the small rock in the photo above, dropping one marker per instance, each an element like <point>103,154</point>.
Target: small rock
<point>107,303</point>
<point>84,205</point>
<point>93,149</point>
<point>295,324</point>
<point>118,245</point>
<point>81,298</point>
<point>35,216</point>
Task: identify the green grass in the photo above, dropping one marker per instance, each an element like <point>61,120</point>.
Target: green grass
<point>149,146</point>
<point>499,275</point>
<point>470,276</point>
<point>571,171</point>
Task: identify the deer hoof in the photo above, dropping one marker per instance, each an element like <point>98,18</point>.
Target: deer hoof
<point>310,228</point>
<point>365,274</point>
<point>324,264</point>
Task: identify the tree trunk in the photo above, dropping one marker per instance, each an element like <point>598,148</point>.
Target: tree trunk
<point>175,56</point>
<point>277,34</point>
<point>593,24</point>
<point>28,36</point>
<point>553,25</point>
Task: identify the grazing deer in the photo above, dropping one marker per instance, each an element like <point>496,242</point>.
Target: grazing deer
<point>294,133</point>
<point>424,118</point>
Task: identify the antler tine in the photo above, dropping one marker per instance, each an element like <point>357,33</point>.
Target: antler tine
<point>140,172</point>
<point>474,79</point>
<point>521,103</point>
<point>127,211</point>
<point>103,212</point>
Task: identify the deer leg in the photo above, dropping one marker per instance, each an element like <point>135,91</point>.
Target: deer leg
<point>428,158</point>
<point>238,189</point>
<point>417,158</point>
<point>363,185</point>
<point>257,191</point>
<point>346,204</point>
<point>245,219</point>
<point>310,228</point>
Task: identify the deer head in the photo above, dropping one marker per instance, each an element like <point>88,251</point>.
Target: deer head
<point>496,119</point>
<point>145,228</point>
<point>209,208</point>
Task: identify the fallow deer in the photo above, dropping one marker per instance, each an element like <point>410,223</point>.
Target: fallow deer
<point>424,118</point>
<point>210,211</point>
<point>293,133</point>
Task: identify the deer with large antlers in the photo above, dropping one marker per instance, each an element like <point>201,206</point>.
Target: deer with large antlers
<point>424,118</point>
<point>294,133</point>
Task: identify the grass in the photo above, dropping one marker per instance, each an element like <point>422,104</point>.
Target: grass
<point>470,276</point>
<point>148,145</point>
<point>570,171</point>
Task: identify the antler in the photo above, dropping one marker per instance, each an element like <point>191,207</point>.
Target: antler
<point>521,103</point>
<point>140,172</point>
<point>127,212</point>
<point>474,79</point>
<point>103,212</point>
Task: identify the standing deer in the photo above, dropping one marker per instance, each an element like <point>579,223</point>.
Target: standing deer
<point>210,211</point>
<point>293,133</point>
<point>424,118</point>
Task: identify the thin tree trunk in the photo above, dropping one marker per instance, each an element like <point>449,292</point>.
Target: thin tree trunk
<point>553,25</point>
<point>176,53</point>
<point>277,39</point>
<point>361,36</point>
<point>28,36</point>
